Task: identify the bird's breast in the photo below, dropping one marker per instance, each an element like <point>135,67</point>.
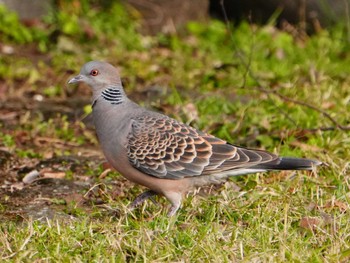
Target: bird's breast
<point>112,127</point>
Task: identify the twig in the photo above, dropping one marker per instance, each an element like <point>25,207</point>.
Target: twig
<point>305,104</point>
<point>247,66</point>
<point>297,133</point>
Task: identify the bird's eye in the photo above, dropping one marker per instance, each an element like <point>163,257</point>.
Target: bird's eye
<point>94,72</point>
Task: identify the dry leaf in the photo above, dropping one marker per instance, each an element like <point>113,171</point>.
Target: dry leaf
<point>311,206</point>
<point>104,173</point>
<point>56,175</point>
<point>74,197</point>
<point>16,186</point>
<point>337,204</point>
<point>30,177</point>
<point>309,222</point>
<point>327,105</point>
<point>106,165</point>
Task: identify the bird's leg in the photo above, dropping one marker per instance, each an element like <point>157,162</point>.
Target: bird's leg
<point>143,197</point>
<point>175,200</point>
<point>173,209</point>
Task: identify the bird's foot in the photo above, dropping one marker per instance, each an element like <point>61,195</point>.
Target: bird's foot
<point>143,197</point>
<point>173,209</point>
<point>175,200</point>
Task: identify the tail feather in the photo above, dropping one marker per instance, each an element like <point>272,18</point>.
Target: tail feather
<point>288,163</point>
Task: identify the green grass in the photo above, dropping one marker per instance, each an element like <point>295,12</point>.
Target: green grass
<point>260,225</point>
<point>236,81</point>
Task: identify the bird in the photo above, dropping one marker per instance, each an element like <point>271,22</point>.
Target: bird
<point>166,156</point>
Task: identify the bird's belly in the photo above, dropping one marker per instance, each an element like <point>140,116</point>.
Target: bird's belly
<point>159,185</point>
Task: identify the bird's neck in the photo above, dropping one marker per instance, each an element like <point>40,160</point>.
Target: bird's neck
<point>112,94</point>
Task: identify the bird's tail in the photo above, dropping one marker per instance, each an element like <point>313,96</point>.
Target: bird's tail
<point>288,163</point>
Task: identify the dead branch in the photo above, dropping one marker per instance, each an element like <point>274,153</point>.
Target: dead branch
<point>242,57</point>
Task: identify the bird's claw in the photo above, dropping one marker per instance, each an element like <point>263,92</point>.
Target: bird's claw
<point>143,197</point>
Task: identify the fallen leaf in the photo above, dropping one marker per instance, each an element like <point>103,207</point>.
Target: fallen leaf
<point>104,173</point>
<point>106,165</point>
<point>328,105</point>
<point>311,206</point>
<point>16,186</point>
<point>74,197</point>
<point>309,222</point>
<point>8,116</point>
<point>337,204</point>
<point>326,218</point>
<point>30,177</point>
<point>56,175</point>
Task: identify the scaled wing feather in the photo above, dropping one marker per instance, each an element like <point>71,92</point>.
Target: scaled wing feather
<point>165,148</point>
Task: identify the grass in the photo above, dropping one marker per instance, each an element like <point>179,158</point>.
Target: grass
<point>235,85</point>
<point>261,225</point>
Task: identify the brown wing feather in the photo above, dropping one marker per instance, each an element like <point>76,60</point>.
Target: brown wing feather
<point>164,148</point>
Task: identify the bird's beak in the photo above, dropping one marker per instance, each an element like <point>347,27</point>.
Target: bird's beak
<point>76,79</point>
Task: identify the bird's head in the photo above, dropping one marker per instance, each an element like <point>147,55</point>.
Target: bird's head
<point>97,75</point>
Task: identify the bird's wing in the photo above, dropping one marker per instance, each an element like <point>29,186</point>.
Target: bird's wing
<point>165,148</point>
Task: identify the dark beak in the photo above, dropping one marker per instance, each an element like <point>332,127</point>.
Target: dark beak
<point>76,79</point>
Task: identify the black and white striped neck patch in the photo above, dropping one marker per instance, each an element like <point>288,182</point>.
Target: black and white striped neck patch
<point>113,95</point>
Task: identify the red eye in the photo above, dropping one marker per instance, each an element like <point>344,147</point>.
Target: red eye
<point>94,72</point>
